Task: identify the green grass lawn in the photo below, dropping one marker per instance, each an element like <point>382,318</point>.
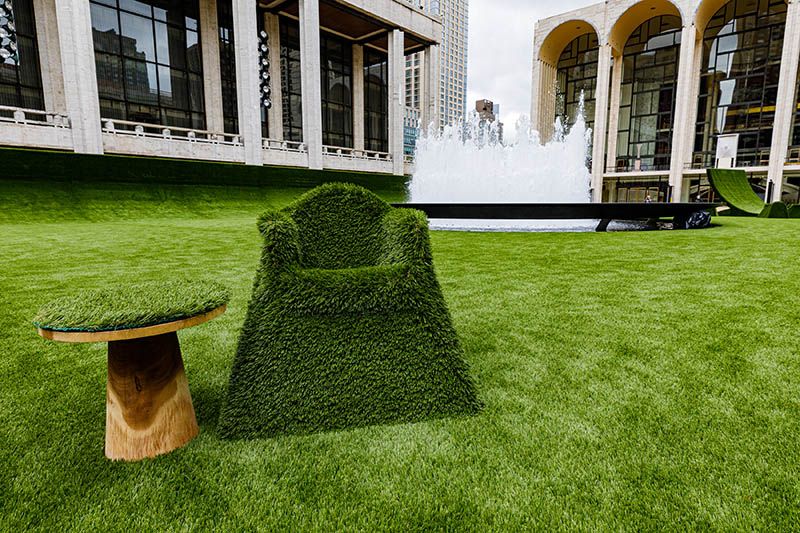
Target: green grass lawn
<point>631,380</point>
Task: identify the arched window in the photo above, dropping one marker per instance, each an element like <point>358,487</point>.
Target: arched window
<point>647,97</point>
<point>20,77</point>
<point>742,47</point>
<point>577,74</point>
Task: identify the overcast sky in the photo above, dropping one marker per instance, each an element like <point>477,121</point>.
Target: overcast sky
<point>501,51</point>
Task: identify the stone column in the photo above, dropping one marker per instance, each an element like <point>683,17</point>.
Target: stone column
<point>358,97</point>
<point>397,99</point>
<point>614,100</point>
<point>212,77</point>
<point>245,31</point>
<point>49,56</point>
<point>682,129</point>
<point>600,121</point>
<point>430,88</point>
<point>311,81</point>
<point>545,102</point>
<point>80,77</point>
<point>786,101</point>
<point>275,117</point>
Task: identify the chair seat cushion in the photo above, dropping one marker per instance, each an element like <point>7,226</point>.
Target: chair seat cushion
<point>365,290</point>
<point>128,306</point>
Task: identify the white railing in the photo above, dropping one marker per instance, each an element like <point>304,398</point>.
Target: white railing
<point>408,158</point>
<point>283,146</point>
<point>157,131</point>
<point>352,153</point>
<point>36,117</point>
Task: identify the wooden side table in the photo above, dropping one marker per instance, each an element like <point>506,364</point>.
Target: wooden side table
<point>149,408</point>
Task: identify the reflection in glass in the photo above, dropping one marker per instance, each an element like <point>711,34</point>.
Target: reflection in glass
<point>21,82</point>
<point>337,97</point>
<point>376,101</point>
<point>577,74</point>
<point>647,95</point>
<point>148,61</point>
<point>742,47</point>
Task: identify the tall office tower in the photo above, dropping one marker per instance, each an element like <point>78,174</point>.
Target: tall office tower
<point>452,60</point>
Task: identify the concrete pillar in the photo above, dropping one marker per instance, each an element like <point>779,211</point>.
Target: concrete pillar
<point>682,128</point>
<point>430,88</point>
<point>80,77</point>
<point>49,56</point>
<point>212,77</point>
<point>245,32</point>
<point>786,101</point>
<point>397,98</point>
<point>311,81</point>
<point>693,99</point>
<point>600,121</point>
<point>535,91</point>
<point>275,113</point>
<point>545,100</point>
<point>358,97</point>
<point>614,101</point>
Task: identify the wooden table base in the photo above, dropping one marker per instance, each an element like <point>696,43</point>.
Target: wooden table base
<point>148,405</point>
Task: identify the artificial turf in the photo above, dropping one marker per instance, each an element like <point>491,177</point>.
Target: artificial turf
<point>646,380</point>
<point>131,305</point>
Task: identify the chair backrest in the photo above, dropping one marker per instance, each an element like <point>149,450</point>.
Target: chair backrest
<point>339,226</point>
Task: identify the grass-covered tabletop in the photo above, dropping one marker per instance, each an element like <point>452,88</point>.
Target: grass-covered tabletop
<point>131,305</point>
<point>646,380</point>
<point>149,407</point>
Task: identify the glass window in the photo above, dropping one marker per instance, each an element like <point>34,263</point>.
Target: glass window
<point>576,77</point>
<point>742,48</point>
<point>290,81</point>
<point>227,64</point>
<point>376,100</point>
<point>337,95</point>
<point>149,62</point>
<point>647,97</point>
<point>21,81</point>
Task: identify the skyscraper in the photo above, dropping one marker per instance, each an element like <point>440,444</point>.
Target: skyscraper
<point>452,57</point>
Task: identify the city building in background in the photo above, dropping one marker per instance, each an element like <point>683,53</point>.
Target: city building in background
<point>306,83</point>
<point>489,113</point>
<point>669,86</point>
<point>452,67</point>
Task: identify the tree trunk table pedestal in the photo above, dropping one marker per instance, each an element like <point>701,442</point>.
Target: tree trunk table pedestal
<point>149,408</point>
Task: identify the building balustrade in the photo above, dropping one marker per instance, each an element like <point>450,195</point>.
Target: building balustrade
<point>33,117</point>
<point>284,146</point>
<point>352,153</point>
<point>157,131</point>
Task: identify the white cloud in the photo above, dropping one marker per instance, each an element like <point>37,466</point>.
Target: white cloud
<point>501,51</point>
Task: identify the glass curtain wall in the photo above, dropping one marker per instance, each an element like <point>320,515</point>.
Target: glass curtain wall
<point>376,101</point>
<point>21,82</point>
<point>337,94</point>
<point>647,98</point>
<point>148,59</point>
<point>227,64</point>
<point>576,75</point>
<point>742,48</point>
<point>290,81</point>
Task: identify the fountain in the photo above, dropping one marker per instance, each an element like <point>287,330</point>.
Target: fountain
<point>466,164</point>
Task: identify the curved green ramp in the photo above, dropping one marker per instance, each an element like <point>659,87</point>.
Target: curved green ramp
<point>733,187</point>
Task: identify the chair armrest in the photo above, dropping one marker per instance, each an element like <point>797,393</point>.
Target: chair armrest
<point>405,238</point>
<point>281,240</point>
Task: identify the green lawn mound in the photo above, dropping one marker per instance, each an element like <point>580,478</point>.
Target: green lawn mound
<point>347,325</point>
<point>774,210</point>
<point>131,305</point>
<point>733,186</point>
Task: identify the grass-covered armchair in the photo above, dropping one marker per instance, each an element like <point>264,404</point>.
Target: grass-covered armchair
<point>347,325</point>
